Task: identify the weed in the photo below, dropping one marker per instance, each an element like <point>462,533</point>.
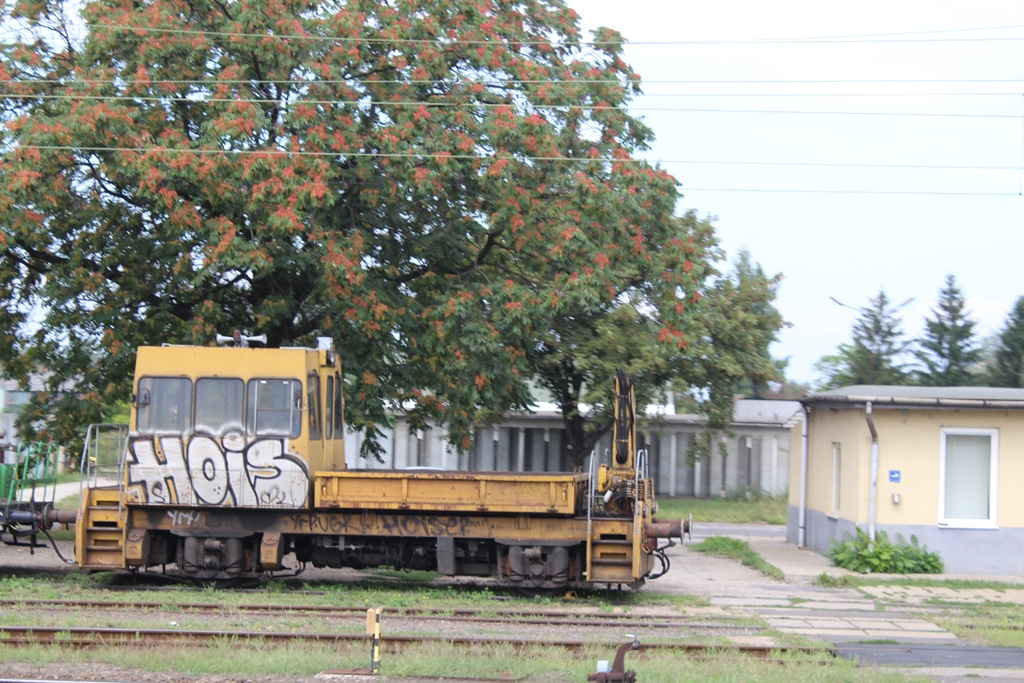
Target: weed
<point>830,581</point>
<point>882,556</point>
<point>724,546</point>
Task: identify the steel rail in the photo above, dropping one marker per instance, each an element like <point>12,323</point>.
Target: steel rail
<point>80,638</point>
<point>424,614</point>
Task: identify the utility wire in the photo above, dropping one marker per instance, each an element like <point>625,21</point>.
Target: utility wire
<point>214,83</point>
<point>487,105</point>
<point>484,157</point>
<point>441,41</point>
<point>909,33</point>
<point>814,164</point>
<point>213,80</point>
<point>284,154</point>
<point>684,189</point>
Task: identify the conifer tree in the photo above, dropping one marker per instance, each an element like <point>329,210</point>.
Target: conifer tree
<point>874,355</point>
<point>948,349</point>
<point>1007,369</point>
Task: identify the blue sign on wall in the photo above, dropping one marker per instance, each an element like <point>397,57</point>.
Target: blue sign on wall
<point>894,476</point>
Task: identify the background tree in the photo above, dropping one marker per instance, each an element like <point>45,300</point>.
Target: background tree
<point>434,185</point>
<point>763,290</point>
<point>1007,369</point>
<point>948,349</point>
<point>873,357</point>
<point>739,324</point>
<point>729,324</point>
<point>576,356</point>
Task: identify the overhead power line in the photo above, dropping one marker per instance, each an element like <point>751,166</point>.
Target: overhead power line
<point>911,33</point>
<point>492,157</point>
<point>441,41</point>
<point>928,193</point>
<point>299,83</point>
<point>487,105</point>
<point>213,80</point>
<point>827,164</point>
<point>278,153</point>
<point>684,189</point>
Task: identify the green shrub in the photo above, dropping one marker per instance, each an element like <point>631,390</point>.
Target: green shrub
<point>881,556</point>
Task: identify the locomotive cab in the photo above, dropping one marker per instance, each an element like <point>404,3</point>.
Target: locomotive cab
<point>215,428</point>
<point>234,427</point>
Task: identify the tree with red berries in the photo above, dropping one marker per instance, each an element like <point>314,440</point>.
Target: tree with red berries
<point>435,185</point>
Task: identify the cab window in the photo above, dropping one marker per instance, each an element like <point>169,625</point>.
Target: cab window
<point>274,407</point>
<point>339,409</point>
<point>219,405</point>
<point>164,405</point>
<point>313,406</point>
<point>329,411</point>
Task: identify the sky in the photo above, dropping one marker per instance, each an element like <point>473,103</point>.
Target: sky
<point>851,147</point>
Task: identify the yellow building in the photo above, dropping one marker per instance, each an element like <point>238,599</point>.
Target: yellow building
<point>944,464</point>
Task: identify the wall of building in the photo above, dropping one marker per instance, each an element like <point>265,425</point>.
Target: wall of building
<point>826,429</point>
<point>758,456</point>
<point>910,442</point>
<point>909,449</point>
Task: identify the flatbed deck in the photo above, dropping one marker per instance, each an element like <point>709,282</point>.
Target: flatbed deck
<point>552,493</point>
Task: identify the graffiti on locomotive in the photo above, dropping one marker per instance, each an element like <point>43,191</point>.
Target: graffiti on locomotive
<point>225,456</point>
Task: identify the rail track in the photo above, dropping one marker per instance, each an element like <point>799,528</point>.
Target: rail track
<point>397,614</point>
<point>79,638</point>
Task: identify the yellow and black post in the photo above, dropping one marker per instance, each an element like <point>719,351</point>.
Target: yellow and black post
<point>373,629</point>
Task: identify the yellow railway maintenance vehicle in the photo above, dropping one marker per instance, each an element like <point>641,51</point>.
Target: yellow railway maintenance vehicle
<point>234,468</point>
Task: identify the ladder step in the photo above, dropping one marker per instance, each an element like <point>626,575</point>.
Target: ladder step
<point>610,574</point>
<point>614,563</point>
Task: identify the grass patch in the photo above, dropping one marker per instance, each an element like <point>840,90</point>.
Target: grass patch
<point>72,502</point>
<point>369,592</point>
<point>724,546</point>
<point>854,580</point>
<point>738,510</point>
<point>826,580</point>
<point>296,660</point>
<point>493,661</point>
<point>987,623</point>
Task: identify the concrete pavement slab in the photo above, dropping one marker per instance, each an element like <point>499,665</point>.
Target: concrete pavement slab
<point>933,655</point>
<point>863,606</point>
<point>750,602</point>
<point>911,637</point>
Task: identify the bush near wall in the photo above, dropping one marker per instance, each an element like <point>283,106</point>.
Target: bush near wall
<point>882,556</point>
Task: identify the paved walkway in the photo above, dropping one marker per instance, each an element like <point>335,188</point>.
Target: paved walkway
<point>876,625</point>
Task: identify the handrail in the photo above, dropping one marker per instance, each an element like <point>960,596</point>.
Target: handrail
<point>90,464</point>
<point>591,485</point>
